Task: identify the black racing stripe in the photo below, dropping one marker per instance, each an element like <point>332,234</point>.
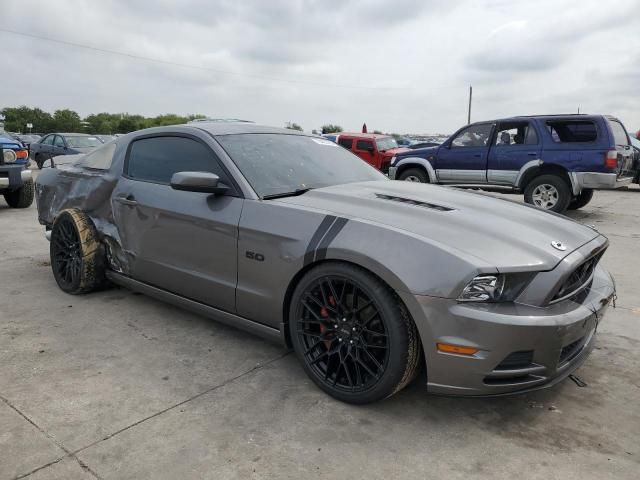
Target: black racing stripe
<point>333,232</point>
<point>317,236</point>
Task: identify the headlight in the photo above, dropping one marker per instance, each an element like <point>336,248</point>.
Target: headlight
<point>9,156</point>
<point>495,288</point>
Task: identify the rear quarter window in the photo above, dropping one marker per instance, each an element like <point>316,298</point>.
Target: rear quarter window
<point>572,131</point>
<point>100,158</point>
<point>346,143</point>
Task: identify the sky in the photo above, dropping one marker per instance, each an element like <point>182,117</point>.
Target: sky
<point>400,66</point>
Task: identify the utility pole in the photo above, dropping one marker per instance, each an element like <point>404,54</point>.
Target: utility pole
<point>469,112</point>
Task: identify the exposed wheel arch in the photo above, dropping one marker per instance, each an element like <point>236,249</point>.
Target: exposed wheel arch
<point>544,169</point>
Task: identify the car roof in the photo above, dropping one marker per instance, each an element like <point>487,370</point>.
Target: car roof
<point>372,136</point>
<point>224,128</point>
<point>559,116</point>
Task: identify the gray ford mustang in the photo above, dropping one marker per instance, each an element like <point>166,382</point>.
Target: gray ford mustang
<point>369,280</point>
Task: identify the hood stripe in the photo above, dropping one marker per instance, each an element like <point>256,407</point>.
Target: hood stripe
<point>322,229</point>
<point>333,232</point>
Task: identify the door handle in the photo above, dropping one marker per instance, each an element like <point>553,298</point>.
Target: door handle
<point>127,201</point>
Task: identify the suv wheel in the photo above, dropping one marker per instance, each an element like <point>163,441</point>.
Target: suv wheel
<point>414,175</point>
<point>21,198</point>
<point>581,200</point>
<point>548,192</point>
<point>354,337</point>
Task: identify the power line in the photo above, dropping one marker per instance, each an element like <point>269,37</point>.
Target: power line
<point>195,67</point>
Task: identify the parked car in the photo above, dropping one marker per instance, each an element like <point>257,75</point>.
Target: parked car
<point>375,149</point>
<point>26,139</point>
<point>331,136</point>
<point>417,145</point>
<point>16,184</point>
<point>62,144</point>
<point>405,142</point>
<point>105,138</point>
<point>555,160</point>
<point>287,235</point>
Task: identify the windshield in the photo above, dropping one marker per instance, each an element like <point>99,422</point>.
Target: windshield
<point>83,142</point>
<point>278,163</point>
<point>386,143</point>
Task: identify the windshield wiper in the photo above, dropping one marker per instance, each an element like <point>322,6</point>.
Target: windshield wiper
<point>295,193</point>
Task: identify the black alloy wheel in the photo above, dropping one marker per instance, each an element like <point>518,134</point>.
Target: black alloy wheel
<point>354,337</point>
<point>66,254</point>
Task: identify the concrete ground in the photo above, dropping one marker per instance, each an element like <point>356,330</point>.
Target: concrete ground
<point>116,385</point>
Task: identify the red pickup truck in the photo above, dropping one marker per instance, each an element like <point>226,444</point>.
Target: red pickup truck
<point>375,149</point>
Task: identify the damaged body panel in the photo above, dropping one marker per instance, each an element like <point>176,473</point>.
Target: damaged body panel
<point>238,242</point>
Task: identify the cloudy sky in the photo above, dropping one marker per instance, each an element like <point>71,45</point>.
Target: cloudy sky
<point>399,66</point>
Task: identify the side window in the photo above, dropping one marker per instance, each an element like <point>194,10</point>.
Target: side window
<point>619,133</point>
<point>156,159</point>
<point>572,131</point>
<point>100,158</point>
<point>346,143</point>
<point>473,136</point>
<point>48,140</point>
<point>364,145</point>
<point>518,133</point>
<point>58,142</point>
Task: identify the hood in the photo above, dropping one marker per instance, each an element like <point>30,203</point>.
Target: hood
<point>395,151</point>
<point>419,152</point>
<point>503,234</point>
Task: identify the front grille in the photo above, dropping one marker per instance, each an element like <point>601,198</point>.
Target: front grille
<point>570,351</point>
<point>417,203</point>
<point>579,279</point>
<point>516,368</point>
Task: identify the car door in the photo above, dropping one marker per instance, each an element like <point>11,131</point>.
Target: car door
<point>46,145</point>
<point>183,242</point>
<point>463,158</point>
<point>365,149</point>
<point>59,146</point>
<point>515,144</point>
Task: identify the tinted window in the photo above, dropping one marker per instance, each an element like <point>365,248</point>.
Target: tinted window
<point>572,131</point>
<point>346,143</point>
<point>48,140</point>
<point>58,142</point>
<point>364,145</point>
<point>156,159</point>
<point>279,163</point>
<point>100,158</point>
<point>619,134</point>
<point>516,133</point>
<point>473,136</point>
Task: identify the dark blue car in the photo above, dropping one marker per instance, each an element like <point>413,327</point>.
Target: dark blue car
<point>16,184</point>
<point>557,161</point>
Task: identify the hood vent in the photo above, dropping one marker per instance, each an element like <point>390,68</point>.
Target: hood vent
<point>417,203</point>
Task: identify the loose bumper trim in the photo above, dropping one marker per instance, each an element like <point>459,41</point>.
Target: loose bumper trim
<point>600,180</point>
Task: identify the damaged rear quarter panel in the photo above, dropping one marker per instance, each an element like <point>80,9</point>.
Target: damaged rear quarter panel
<point>74,186</point>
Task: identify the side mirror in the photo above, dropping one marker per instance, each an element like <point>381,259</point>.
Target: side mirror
<point>203,182</point>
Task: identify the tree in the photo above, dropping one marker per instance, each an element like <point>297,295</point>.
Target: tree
<point>16,119</point>
<point>67,121</point>
<point>329,128</point>
<point>293,126</point>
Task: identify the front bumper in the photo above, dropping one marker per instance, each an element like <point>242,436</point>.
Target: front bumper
<point>604,181</point>
<point>551,342</point>
<point>12,177</point>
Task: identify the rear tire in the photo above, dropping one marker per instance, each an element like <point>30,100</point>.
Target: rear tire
<point>77,256</point>
<point>581,200</point>
<point>353,335</point>
<point>548,192</point>
<point>414,175</point>
<point>21,198</point>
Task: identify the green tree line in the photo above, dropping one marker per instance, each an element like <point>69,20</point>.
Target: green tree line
<point>16,119</point>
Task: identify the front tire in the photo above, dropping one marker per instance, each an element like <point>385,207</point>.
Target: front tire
<point>21,198</point>
<point>353,335</point>
<point>548,192</point>
<point>414,175</point>
<point>77,256</point>
<point>581,200</point>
